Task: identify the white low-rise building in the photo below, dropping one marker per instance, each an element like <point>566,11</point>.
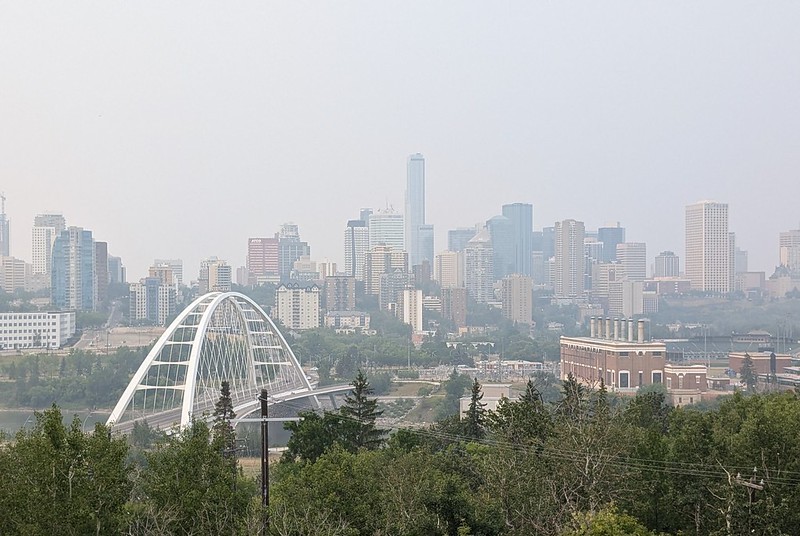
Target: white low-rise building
<point>36,330</point>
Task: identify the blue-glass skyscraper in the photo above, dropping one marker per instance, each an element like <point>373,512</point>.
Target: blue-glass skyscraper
<point>611,236</point>
<point>501,232</point>
<point>73,279</point>
<point>521,217</point>
<point>418,235</point>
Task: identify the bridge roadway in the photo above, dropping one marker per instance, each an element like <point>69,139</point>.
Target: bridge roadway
<point>168,420</point>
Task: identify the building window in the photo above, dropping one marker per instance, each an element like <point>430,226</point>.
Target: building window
<point>657,377</point>
<point>641,379</point>
<point>624,380</point>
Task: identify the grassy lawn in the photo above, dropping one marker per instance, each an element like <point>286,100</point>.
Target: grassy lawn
<point>409,389</point>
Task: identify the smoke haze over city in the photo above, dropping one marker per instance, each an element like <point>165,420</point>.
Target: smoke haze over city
<point>180,130</point>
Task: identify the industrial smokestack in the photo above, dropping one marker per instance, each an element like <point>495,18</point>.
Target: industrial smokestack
<point>630,330</point>
<point>592,328</point>
<point>641,331</point>
<point>616,329</point>
<point>608,327</point>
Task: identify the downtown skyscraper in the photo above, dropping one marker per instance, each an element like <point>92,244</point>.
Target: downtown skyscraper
<point>521,217</point>
<point>46,228</point>
<point>418,235</point>
<point>73,275</point>
<point>708,247</point>
<point>5,246</point>
<point>569,259</point>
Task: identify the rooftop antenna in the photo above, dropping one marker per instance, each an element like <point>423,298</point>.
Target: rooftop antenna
<point>3,203</point>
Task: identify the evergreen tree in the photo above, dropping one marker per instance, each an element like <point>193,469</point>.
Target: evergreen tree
<point>224,436</point>
<point>475,419</point>
<point>748,374</point>
<point>360,413</point>
<point>573,399</point>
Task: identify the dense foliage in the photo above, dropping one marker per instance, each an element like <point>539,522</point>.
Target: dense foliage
<point>586,464</point>
<point>78,379</point>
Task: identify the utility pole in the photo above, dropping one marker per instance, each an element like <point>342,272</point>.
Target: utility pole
<point>264,462</point>
<point>752,486</point>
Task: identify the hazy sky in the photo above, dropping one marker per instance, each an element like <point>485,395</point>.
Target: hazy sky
<point>178,129</point>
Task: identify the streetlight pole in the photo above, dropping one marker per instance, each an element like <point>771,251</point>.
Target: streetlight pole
<point>264,462</point>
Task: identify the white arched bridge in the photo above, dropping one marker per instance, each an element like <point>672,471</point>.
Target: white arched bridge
<point>220,336</point>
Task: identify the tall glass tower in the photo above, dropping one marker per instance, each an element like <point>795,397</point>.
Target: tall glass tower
<point>521,217</point>
<point>417,235</point>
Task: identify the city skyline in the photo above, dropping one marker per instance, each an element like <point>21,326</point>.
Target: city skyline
<point>188,142</point>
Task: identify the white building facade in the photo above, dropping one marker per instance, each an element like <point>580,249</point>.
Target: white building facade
<point>36,330</point>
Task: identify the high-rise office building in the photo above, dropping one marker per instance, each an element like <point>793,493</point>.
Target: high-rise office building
<point>739,260</point>
<point>356,245</point>
<point>457,239</point>
<point>175,266</point>
<point>425,244</point>
<point>163,273</point>
<point>386,227</point>
<point>152,299</point>
<point>46,227</point>
<point>569,259</point>
<point>633,258</point>
<point>418,241</point>
<point>667,265</point>
<point>290,248</point>
<point>789,250</point>
<point>117,272</point>
<point>501,232</point>
<point>549,242</point>
<point>5,246</point>
<point>216,275</point>
<point>479,267</point>
<point>708,247</point>
<point>262,259</point>
<point>101,270</point>
<point>13,274</point>
<point>390,291</point>
<point>610,236</point>
<point>73,281</point>
<point>521,217</point>
<point>517,291</point>
<point>449,269</point>
<point>382,260</point>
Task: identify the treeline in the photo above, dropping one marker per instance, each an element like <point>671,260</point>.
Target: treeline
<point>79,379</point>
<point>340,356</point>
<point>586,464</point>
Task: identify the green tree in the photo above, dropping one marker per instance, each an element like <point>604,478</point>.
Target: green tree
<point>360,412</point>
<point>58,480</point>
<point>607,522</point>
<point>454,389</point>
<point>475,418</point>
<point>189,487</point>
<point>222,431</point>
<point>312,436</point>
<point>748,374</point>
<point>524,421</point>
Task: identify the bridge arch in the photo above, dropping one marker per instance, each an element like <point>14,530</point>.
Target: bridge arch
<point>220,336</point>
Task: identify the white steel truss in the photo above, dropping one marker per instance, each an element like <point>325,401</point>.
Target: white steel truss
<point>220,336</point>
